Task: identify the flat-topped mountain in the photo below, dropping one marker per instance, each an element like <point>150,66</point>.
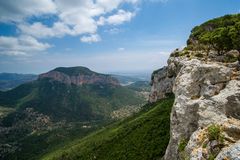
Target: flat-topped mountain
<point>79,76</point>
<point>71,93</point>
<point>76,71</point>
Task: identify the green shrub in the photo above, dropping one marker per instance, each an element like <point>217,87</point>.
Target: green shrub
<point>175,54</point>
<point>211,157</point>
<point>200,55</point>
<point>214,132</point>
<point>230,59</point>
<point>204,145</point>
<point>182,144</point>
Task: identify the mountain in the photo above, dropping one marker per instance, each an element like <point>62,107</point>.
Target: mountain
<point>12,80</point>
<point>61,98</point>
<point>143,136</point>
<point>71,93</point>
<point>79,76</point>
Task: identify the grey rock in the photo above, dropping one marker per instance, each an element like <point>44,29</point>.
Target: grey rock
<point>161,85</point>
<point>232,152</point>
<point>233,53</point>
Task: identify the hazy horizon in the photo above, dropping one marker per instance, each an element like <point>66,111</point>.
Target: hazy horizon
<point>122,73</point>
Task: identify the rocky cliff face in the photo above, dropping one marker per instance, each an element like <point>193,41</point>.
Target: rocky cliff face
<point>207,103</point>
<point>80,79</point>
<point>162,83</point>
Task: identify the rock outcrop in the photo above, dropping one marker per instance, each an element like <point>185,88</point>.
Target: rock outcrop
<point>206,93</point>
<point>162,83</point>
<point>80,78</point>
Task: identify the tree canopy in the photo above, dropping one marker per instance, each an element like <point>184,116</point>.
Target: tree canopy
<point>221,34</point>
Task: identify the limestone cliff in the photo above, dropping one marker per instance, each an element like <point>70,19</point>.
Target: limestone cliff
<point>205,78</point>
<point>207,94</point>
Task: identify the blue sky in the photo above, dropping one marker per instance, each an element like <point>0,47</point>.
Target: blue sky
<point>127,36</point>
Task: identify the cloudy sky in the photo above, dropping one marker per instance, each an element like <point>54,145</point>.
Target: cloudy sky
<point>104,35</point>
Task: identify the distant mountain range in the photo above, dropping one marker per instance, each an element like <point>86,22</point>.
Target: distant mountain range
<point>11,80</point>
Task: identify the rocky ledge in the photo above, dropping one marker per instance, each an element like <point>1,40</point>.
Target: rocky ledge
<point>205,118</point>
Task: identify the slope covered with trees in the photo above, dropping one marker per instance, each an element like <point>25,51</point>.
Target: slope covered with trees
<point>143,136</point>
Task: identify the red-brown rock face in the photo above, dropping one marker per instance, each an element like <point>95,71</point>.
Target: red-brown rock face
<point>80,79</point>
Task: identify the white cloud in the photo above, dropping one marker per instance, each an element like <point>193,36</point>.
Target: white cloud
<point>91,38</point>
<point>73,17</point>
<point>77,17</point>
<point>39,30</point>
<point>114,30</point>
<point>120,17</point>
<point>162,1</point>
<point>16,11</point>
<point>109,5</point>
<point>121,49</point>
<point>22,45</point>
